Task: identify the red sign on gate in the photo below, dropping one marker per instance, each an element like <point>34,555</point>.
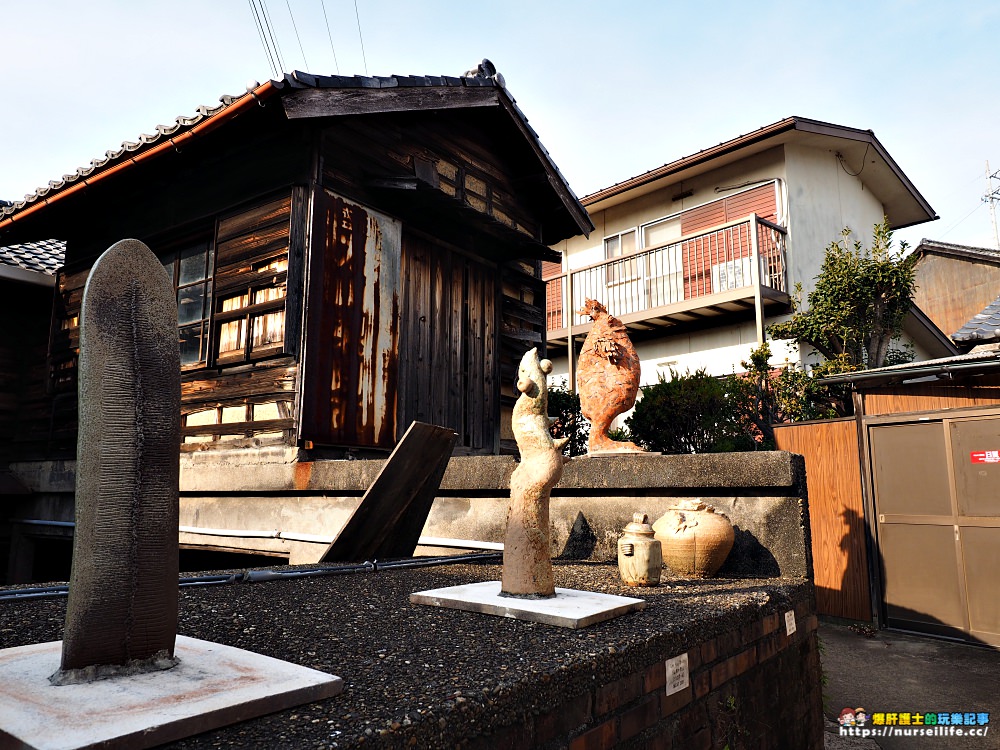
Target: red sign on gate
<point>985,457</point>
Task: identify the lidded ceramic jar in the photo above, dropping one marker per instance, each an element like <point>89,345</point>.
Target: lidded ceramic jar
<point>696,538</point>
<point>639,557</point>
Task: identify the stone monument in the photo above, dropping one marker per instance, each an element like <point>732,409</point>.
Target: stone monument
<point>607,378</point>
<point>122,608</point>
<point>126,679</point>
<point>527,557</point>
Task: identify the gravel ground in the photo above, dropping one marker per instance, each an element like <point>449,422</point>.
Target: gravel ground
<point>418,676</point>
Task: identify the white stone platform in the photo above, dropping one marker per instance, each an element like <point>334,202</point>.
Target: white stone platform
<point>212,686</point>
<point>567,609</point>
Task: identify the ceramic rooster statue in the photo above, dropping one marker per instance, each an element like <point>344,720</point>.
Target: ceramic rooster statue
<point>607,377</point>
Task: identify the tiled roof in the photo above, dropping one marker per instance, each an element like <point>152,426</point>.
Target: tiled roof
<point>984,326</point>
<point>45,256</point>
<point>484,76</point>
<point>966,251</point>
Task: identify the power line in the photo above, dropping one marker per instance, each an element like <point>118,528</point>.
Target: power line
<point>336,65</point>
<point>296,30</point>
<point>358,17</point>
<point>263,40</point>
<point>953,226</point>
<point>270,32</point>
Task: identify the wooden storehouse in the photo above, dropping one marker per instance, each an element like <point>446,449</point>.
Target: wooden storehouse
<point>350,254</point>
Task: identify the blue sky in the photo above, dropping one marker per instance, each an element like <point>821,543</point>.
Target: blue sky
<point>613,89</point>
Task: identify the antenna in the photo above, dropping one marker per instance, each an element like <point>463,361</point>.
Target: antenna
<point>991,197</point>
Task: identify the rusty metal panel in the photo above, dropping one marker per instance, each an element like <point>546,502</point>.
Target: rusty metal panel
<point>352,349</point>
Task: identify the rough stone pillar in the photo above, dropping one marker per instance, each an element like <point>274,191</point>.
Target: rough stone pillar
<point>527,556</point>
<point>122,610</point>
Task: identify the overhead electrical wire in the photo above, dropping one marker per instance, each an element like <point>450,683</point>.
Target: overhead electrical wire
<point>270,31</point>
<point>296,30</point>
<point>263,40</point>
<point>358,17</point>
<point>336,65</point>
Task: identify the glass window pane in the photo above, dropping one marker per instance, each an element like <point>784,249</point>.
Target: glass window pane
<point>268,294</point>
<point>190,304</point>
<point>612,247</point>
<point>190,344</point>
<point>231,336</point>
<point>628,242</point>
<point>192,263</point>
<point>268,329</point>
<point>661,233</point>
<point>235,301</point>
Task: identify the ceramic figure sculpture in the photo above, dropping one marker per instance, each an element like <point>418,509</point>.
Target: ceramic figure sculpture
<point>696,538</point>
<point>607,378</point>
<point>527,561</point>
<point>121,615</point>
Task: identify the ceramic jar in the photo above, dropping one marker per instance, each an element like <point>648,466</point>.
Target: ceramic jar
<point>696,538</point>
<point>639,557</point>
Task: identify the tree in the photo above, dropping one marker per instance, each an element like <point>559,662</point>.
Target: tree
<point>764,396</point>
<point>858,306</point>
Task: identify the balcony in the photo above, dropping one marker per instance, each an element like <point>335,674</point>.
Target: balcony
<point>727,270</point>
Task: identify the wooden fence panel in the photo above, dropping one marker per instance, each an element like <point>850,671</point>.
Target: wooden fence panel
<point>836,513</point>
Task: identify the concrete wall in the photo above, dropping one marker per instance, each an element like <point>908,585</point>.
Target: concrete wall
<point>296,509</point>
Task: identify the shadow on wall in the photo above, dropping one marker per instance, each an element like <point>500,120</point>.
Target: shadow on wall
<point>749,557</point>
<point>581,542</point>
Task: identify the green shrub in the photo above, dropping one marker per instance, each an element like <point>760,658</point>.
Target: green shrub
<point>690,413</point>
<point>564,406</point>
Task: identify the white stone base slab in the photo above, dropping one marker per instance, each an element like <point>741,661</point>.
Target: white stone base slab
<point>567,609</point>
<point>211,687</point>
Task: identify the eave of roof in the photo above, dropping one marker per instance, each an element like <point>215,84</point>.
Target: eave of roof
<point>962,252</point>
<point>971,363</point>
<point>209,118</point>
<point>166,137</point>
<point>759,140</point>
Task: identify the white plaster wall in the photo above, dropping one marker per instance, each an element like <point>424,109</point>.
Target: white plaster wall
<point>823,199</point>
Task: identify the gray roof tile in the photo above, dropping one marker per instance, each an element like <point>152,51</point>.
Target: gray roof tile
<point>984,326</point>
<point>45,256</point>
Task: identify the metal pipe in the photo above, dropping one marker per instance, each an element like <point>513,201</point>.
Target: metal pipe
<point>257,575</point>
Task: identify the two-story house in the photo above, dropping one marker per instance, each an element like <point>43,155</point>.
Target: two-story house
<point>699,255</point>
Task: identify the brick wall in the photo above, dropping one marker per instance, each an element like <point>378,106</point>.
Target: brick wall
<point>752,686</point>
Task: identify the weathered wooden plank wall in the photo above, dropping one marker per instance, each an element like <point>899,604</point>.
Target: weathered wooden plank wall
<point>836,513</point>
<point>448,369</point>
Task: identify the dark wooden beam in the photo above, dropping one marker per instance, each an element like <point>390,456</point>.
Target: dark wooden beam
<point>364,101</point>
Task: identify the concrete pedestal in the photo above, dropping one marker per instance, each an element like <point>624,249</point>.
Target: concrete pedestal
<point>212,686</point>
<point>567,609</point>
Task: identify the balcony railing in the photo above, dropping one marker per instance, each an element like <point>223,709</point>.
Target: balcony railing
<point>736,255</point>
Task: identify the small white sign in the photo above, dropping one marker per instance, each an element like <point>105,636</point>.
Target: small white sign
<point>677,674</point>
<point>789,622</point>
